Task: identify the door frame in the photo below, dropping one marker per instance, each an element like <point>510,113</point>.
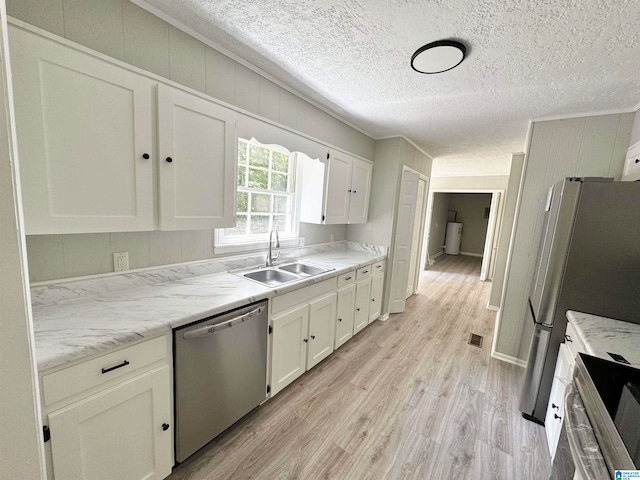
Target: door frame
<point>423,222</point>
<point>495,220</point>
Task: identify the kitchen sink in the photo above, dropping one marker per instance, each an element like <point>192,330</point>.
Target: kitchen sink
<point>303,269</point>
<point>271,276</point>
<point>277,275</point>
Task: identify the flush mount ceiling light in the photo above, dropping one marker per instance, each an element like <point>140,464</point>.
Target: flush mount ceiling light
<point>438,57</point>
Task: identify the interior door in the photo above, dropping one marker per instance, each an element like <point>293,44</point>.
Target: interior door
<point>403,240</point>
<point>415,241</point>
<point>491,244</point>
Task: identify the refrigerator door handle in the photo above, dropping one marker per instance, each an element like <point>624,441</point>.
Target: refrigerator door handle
<point>540,325</point>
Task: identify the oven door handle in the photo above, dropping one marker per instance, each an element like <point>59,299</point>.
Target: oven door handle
<point>217,327</point>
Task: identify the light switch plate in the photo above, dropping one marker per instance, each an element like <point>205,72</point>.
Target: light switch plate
<point>120,261</point>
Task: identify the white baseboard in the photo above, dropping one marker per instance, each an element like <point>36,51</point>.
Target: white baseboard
<point>492,307</point>
<point>383,318</point>
<point>509,359</point>
<point>472,254</point>
<point>439,254</point>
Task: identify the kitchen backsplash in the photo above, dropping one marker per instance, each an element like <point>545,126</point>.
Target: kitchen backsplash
<point>53,257</point>
<point>64,290</point>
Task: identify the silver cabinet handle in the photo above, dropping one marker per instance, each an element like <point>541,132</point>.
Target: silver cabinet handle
<point>211,329</point>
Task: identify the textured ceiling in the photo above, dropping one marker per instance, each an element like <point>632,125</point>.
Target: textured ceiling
<point>528,59</point>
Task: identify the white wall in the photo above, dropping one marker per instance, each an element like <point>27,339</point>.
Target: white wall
<point>438,229</point>
<point>635,132</point>
<point>483,182</point>
<point>390,157</point>
<point>20,442</point>
<point>586,146</point>
<point>506,228</point>
<point>124,31</point>
<point>470,212</point>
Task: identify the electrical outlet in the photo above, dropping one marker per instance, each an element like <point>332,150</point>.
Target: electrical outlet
<point>120,261</point>
<point>332,237</point>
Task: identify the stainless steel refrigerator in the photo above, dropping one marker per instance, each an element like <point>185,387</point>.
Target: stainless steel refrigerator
<point>588,261</point>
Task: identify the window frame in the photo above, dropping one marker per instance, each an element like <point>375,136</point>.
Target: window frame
<point>245,243</point>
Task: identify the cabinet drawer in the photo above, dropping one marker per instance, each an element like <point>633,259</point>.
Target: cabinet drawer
<point>632,163</point>
<point>573,342</point>
<point>377,267</point>
<point>346,279</point>
<point>364,272</point>
<point>83,376</point>
<point>302,295</point>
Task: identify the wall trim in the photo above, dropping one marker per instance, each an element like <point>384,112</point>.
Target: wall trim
<point>473,175</point>
<point>586,114</point>
<point>207,41</point>
<point>388,137</point>
<point>492,307</point>
<point>509,359</point>
<point>436,255</point>
<point>383,318</point>
<point>469,254</point>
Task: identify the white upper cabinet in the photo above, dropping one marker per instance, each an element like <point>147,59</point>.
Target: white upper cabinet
<point>85,142</point>
<point>335,190</point>
<point>338,189</point>
<point>632,164</point>
<point>197,164</point>
<point>360,190</point>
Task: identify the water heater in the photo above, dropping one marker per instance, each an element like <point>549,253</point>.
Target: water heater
<point>453,238</point>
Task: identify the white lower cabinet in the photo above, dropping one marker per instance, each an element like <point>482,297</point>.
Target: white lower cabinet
<point>377,282</point>
<point>346,314</point>
<point>555,408</point>
<point>308,324</point>
<point>363,295</point>
<point>121,433</point>
<point>111,416</point>
<point>289,347</point>
<point>302,338</point>
<point>322,322</point>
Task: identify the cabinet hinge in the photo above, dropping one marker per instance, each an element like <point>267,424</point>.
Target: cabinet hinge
<point>268,388</point>
<point>323,218</point>
<point>46,433</point>
<point>270,329</point>
<point>328,155</point>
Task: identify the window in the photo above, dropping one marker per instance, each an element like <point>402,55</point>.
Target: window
<point>265,195</point>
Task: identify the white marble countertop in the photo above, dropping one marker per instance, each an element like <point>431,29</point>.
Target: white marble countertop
<point>601,335</point>
<point>68,330</point>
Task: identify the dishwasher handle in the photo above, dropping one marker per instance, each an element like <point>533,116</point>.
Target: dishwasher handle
<point>211,329</point>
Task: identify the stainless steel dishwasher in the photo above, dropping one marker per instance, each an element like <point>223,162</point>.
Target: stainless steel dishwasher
<point>220,366</point>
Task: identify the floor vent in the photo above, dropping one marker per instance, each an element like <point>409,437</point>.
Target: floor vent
<point>475,340</point>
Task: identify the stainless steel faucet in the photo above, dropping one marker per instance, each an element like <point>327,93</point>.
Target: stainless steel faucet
<point>270,257</point>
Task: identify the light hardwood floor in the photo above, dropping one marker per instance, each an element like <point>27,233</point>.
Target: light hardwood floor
<point>406,398</point>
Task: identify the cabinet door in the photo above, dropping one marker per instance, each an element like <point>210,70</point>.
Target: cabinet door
<point>117,433</point>
<point>375,308</point>
<point>197,164</point>
<point>360,190</point>
<point>322,323</point>
<point>84,128</point>
<point>345,315</point>
<point>289,347</point>
<point>338,187</point>
<point>555,415</point>
<point>363,292</point>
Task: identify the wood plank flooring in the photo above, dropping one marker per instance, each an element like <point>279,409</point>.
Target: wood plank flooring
<point>405,399</point>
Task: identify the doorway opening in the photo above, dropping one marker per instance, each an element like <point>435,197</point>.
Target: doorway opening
<point>478,211</point>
